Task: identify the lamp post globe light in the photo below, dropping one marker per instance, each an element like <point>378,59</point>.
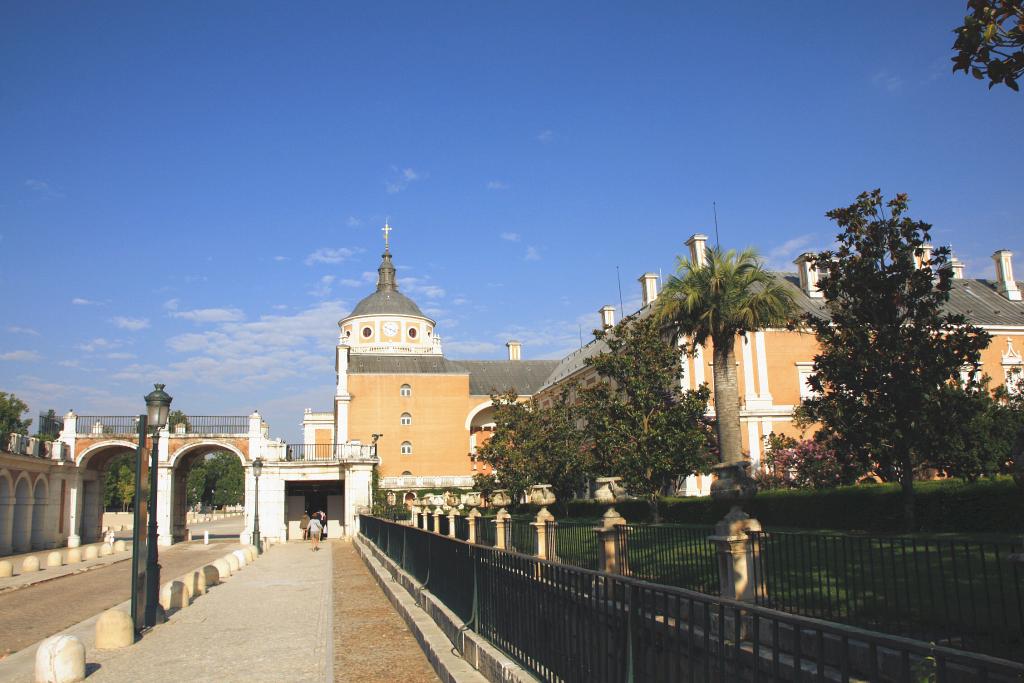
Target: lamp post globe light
<point>257,468</point>
<point>158,407</point>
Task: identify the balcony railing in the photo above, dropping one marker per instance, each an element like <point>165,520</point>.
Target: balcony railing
<point>428,482</point>
<point>329,452</point>
<point>128,425</point>
<point>212,424</point>
<point>107,425</point>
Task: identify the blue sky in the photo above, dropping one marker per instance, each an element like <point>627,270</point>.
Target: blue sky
<point>193,193</point>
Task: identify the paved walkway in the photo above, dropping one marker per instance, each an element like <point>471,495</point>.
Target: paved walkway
<point>371,642</point>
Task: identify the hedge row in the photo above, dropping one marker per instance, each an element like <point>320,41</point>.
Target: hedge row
<point>941,506</point>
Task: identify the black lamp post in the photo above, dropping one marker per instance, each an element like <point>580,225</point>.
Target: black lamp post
<point>257,467</point>
<point>158,406</point>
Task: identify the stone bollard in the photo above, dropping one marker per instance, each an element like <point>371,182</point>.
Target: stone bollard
<point>60,659</point>
<point>198,578</point>
<point>188,535</point>
<point>452,516</point>
<point>106,549</point>
<point>545,534</point>
<point>91,552</point>
<point>211,575</point>
<point>242,560</point>
<point>6,569</point>
<point>206,537</point>
<point>437,519</point>
<point>250,553</point>
<point>120,546</point>
<point>611,539</point>
<point>232,561</point>
<point>737,555</point>
<point>30,564</point>
<point>114,630</point>
<point>74,556</point>
<point>54,560</point>
<point>502,529</point>
<point>223,569</point>
<point>472,518</point>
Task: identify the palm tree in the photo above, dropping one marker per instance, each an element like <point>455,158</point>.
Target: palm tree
<point>717,298</point>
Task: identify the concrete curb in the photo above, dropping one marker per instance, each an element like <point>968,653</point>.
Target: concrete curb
<point>455,652</point>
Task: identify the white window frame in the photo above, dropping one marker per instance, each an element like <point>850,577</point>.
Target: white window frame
<point>405,390</point>
<point>405,419</point>
<point>805,370</point>
<point>407,448</point>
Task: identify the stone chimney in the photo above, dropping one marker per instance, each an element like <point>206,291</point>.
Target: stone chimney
<point>648,288</point>
<point>514,350</point>
<point>808,275</point>
<point>698,245</point>
<point>607,316</point>
<point>958,268</point>
<point>1005,284</point>
<point>924,257</point>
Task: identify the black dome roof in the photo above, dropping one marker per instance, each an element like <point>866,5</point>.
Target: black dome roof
<point>387,299</point>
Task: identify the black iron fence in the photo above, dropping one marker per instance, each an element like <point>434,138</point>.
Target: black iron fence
<point>674,555</point>
<point>50,425</point>
<point>576,544</point>
<point>523,537</point>
<point>571,624</point>
<point>214,424</point>
<point>107,425</point>
<point>966,594</point>
<point>305,452</point>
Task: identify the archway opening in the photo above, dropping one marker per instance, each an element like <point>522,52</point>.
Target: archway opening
<point>105,469</point>
<point>206,477</point>
<point>6,501</point>
<point>21,529</point>
<point>37,531</point>
<point>481,429</point>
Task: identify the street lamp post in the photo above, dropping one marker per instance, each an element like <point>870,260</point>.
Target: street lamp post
<point>257,467</point>
<point>158,406</point>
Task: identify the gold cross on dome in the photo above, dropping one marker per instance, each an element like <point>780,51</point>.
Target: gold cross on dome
<point>387,232</point>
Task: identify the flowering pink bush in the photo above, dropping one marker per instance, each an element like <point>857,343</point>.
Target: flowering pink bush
<point>803,464</point>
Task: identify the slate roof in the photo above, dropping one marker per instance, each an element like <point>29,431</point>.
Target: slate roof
<point>485,376</point>
<point>390,302</point>
<point>976,300</point>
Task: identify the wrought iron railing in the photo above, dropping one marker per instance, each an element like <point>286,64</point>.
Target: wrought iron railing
<point>328,452</point>
<point>212,424</point>
<point>570,624</point>
<point>107,425</point>
<point>50,425</point>
<point>673,554</point>
<point>962,593</point>
<point>576,544</point>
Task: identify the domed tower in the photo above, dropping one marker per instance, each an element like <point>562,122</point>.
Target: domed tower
<point>387,321</point>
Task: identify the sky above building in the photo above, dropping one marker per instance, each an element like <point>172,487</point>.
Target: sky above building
<point>193,193</point>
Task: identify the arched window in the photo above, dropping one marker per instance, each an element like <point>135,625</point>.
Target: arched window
<point>407,473</point>
<point>406,448</point>
<point>406,390</point>
<point>406,419</point>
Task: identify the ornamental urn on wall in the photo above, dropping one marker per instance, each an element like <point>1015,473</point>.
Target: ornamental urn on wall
<point>609,490</point>
<point>472,499</point>
<point>542,495</point>
<point>500,498</point>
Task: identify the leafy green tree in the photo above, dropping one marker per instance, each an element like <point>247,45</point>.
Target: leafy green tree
<point>641,424</point>
<point>11,410</point>
<point>195,484</point>
<point>508,451</point>
<point>728,295</point>
<point>49,426</point>
<point>176,417</point>
<point>990,42</point>
<point>887,348</point>
<point>226,479</point>
<point>119,483</point>
<point>971,433</point>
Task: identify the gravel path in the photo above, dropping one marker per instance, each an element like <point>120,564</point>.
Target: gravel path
<point>36,612</point>
<point>371,642</point>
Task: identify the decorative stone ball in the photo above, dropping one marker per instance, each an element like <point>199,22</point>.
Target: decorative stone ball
<point>91,552</point>
<point>30,564</point>
<point>74,556</point>
<point>106,549</point>
<point>60,659</point>
<point>54,559</point>
<point>114,630</point>
<point>6,569</point>
<point>120,546</point>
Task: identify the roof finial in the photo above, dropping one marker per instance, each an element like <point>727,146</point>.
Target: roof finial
<point>387,233</point>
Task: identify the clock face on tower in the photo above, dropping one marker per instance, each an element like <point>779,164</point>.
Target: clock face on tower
<point>390,329</point>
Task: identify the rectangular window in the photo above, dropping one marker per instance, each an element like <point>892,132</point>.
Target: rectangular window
<point>805,370</point>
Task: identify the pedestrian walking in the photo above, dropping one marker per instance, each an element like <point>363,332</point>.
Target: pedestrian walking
<point>314,531</point>
<point>304,525</point>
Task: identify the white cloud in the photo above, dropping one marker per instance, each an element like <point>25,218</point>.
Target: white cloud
<point>459,301</point>
<point>323,287</point>
<point>120,355</point>
<point>19,355</point>
<point>511,236</point>
<point>171,304</point>
<point>69,364</point>
<point>331,255</point>
<point>545,136</point>
<point>401,179</point>
<point>532,254</point>
<point>100,344</point>
<point>133,324</point>
<point>43,188</point>
<point>22,330</point>
<point>349,282</point>
<point>79,301</point>
<point>497,185</point>
<point>280,258</point>
<point>353,222</point>
<point>211,315</point>
<point>889,82</point>
<point>781,257</point>
<point>417,286</point>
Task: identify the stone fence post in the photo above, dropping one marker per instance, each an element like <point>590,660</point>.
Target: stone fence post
<point>611,541</point>
<point>452,516</point>
<point>426,518</point>
<point>437,519</point>
<point>472,518</point>
<point>737,555</point>
<point>543,531</point>
<point>501,523</point>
